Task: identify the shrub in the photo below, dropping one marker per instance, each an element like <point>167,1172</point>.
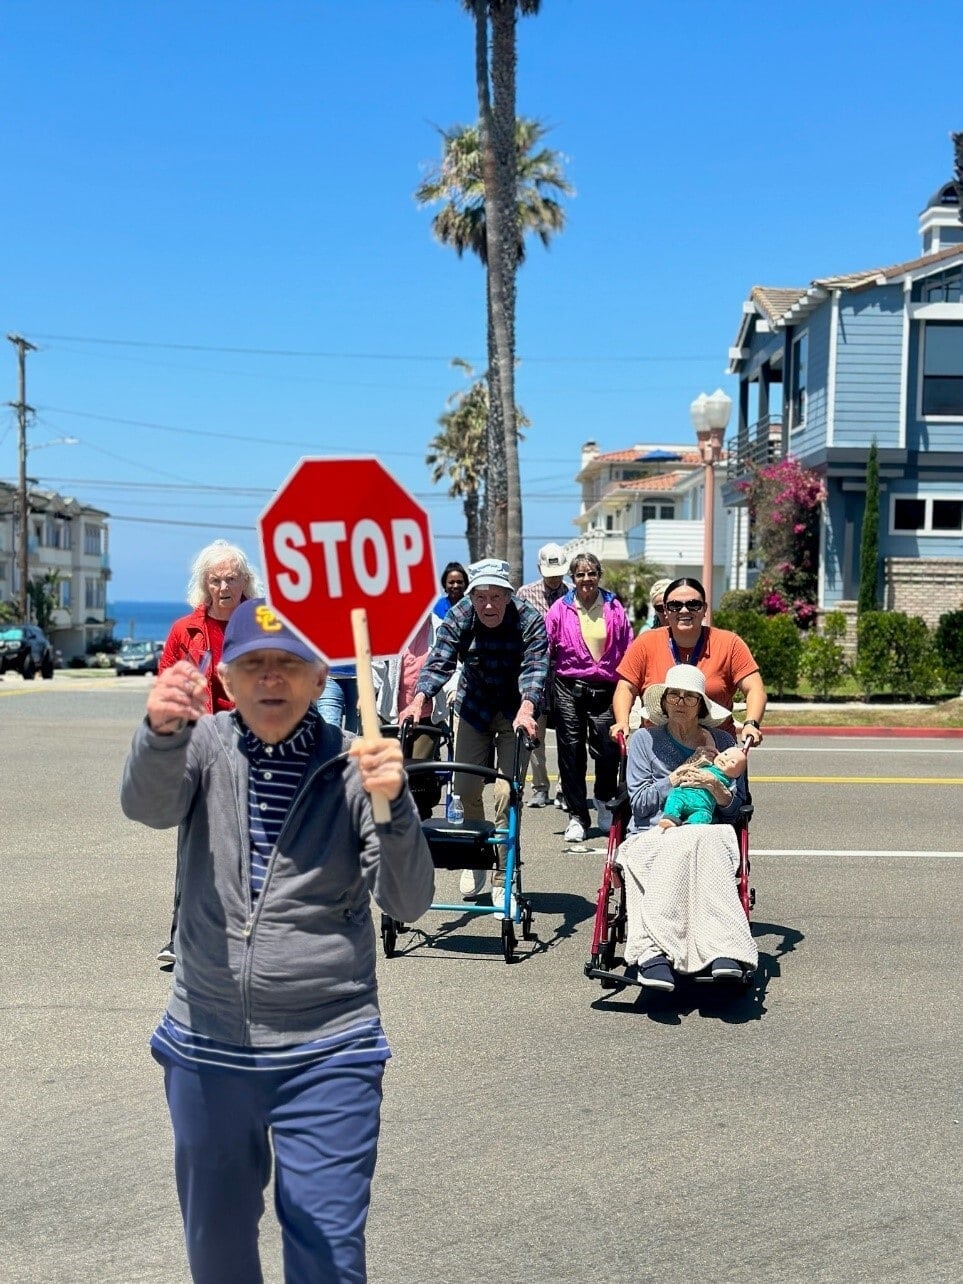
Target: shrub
<point>895,653</point>
<point>774,641</point>
<point>739,600</point>
<point>823,661</point>
<point>949,646</point>
<point>784,500</point>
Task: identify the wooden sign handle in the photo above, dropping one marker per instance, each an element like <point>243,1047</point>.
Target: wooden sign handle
<point>370,722</point>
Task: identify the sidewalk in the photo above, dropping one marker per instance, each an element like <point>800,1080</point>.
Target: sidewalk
<point>774,707</point>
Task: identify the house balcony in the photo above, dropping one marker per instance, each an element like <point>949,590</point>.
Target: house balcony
<point>760,444</point>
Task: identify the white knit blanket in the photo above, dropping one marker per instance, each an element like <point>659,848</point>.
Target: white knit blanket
<point>682,899</point>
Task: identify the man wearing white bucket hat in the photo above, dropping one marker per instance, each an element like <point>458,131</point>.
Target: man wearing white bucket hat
<point>501,644</point>
<point>543,594</point>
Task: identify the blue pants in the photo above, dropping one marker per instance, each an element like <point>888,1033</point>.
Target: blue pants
<point>322,1124</point>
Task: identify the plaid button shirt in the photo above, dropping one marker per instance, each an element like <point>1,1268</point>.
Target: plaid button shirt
<point>540,597</point>
<point>501,666</point>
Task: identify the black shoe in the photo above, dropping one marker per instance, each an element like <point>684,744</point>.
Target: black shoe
<point>655,974</point>
<point>726,970</point>
<point>166,956</point>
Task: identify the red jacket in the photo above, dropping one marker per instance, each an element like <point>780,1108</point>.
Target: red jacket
<point>190,637</point>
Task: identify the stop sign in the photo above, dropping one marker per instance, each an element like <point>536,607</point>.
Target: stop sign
<point>341,534</point>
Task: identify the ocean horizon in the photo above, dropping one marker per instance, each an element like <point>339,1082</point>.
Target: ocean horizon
<point>144,621</point>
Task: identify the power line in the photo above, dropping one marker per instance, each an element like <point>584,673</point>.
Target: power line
<point>324,355</point>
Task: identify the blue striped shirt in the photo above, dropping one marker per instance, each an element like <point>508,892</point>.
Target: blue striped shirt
<point>363,1044</point>
<point>275,773</point>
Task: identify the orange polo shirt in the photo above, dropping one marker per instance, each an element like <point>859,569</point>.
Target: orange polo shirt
<point>725,660</point>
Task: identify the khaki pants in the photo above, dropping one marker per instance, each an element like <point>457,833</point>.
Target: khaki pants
<point>476,747</point>
<point>537,761</point>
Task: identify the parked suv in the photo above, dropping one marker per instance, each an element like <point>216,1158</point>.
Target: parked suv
<point>24,648</point>
<point>136,657</point>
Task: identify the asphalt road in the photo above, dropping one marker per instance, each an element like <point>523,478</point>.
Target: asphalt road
<point>534,1130</point>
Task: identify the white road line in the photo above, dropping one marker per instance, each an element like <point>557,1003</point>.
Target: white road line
<point>802,851</point>
<point>899,747</point>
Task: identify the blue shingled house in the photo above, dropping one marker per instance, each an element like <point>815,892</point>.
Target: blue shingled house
<point>823,370</point>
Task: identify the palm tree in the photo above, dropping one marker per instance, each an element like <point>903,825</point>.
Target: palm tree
<point>497,123</point>
<point>458,452</point>
<point>457,183</point>
<point>957,140</point>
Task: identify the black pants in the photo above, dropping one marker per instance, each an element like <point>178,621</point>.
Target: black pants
<point>583,711</point>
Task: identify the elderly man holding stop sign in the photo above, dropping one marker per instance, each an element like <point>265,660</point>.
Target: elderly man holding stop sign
<point>272,1046</point>
<point>501,644</point>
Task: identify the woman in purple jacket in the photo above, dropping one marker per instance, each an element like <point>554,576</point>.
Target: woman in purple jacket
<point>588,633</point>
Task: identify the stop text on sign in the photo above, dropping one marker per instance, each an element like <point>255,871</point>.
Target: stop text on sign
<point>374,553</point>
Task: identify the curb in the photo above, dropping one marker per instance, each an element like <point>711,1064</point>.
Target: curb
<point>920,733</point>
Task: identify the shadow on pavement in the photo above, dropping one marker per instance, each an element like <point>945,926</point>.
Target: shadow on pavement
<point>732,1003</point>
<point>475,935</point>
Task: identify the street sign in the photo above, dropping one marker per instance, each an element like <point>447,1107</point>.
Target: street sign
<point>342,535</point>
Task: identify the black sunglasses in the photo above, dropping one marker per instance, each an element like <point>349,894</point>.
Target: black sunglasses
<point>675,608</point>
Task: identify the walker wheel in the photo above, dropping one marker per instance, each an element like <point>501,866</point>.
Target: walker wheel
<point>527,920</point>
<point>508,940</point>
<point>389,935</point>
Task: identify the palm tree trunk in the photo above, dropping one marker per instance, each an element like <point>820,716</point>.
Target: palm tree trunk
<point>504,253</point>
<point>472,527</point>
<point>502,431</point>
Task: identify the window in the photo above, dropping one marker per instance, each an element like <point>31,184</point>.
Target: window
<point>94,596</point>
<point>945,288</point>
<point>667,512</point>
<point>797,387</point>
<point>943,369</point>
<point>63,595</point>
<point>92,540</point>
<point>648,512</point>
<point>933,515</point>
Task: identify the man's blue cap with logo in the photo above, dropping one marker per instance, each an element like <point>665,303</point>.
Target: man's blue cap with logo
<point>255,627</point>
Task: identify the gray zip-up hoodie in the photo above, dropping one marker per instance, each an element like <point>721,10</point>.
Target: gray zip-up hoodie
<point>300,965</point>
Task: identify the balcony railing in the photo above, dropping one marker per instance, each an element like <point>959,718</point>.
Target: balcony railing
<point>759,445</point>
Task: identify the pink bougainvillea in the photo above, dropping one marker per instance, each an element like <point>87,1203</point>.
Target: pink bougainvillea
<point>784,500</point>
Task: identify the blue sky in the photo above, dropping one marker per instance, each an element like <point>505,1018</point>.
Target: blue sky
<point>208,230</point>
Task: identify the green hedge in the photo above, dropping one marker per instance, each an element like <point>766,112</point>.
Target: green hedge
<point>774,641</point>
<point>949,647</point>
<point>823,660</point>
<point>896,653</point>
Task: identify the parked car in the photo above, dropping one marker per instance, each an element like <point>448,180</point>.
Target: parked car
<point>24,648</point>
<point>136,657</point>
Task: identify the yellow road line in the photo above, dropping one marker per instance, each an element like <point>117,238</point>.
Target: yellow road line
<point>855,780</point>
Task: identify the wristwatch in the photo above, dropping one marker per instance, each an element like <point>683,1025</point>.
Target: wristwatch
<point>751,722</point>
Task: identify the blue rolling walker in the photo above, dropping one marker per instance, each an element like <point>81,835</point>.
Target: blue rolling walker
<point>470,844</point>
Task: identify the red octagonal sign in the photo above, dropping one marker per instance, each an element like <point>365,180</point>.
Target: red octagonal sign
<point>342,534</point>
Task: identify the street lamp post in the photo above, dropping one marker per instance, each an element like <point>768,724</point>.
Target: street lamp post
<point>710,416</point>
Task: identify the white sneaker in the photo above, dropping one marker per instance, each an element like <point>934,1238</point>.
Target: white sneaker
<point>603,816</point>
<point>575,833</point>
<point>560,801</point>
<point>498,900</point>
<point>472,883</point>
<point>538,799</point>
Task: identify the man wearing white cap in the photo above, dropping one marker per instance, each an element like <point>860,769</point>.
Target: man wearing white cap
<point>503,649</point>
<point>542,594</point>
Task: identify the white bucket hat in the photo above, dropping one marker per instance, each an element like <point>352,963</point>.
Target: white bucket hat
<point>683,677</point>
<point>552,560</point>
<point>490,572</point>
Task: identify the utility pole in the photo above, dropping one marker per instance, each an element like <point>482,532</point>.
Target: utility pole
<point>21,407</point>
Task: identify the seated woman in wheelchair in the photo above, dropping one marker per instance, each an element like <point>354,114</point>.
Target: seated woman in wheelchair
<point>684,912</point>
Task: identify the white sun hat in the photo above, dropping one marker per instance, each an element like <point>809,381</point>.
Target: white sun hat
<point>683,677</point>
